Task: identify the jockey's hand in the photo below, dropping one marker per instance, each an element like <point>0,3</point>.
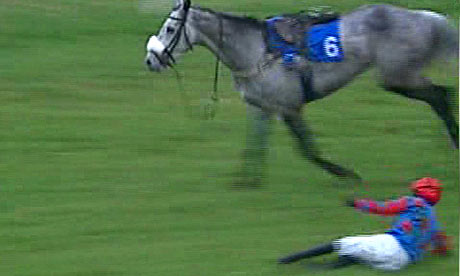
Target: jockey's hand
<point>442,244</point>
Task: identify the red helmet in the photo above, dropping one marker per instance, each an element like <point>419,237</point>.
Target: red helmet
<point>428,188</point>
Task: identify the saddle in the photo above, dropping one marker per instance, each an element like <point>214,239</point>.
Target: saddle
<point>292,28</point>
<point>299,39</point>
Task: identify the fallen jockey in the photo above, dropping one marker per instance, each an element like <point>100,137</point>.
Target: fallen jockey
<point>414,230</point>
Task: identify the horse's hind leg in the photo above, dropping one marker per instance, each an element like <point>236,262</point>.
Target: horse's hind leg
<point>437,96</point>
<point>255,153</point>
<point>308,149</point>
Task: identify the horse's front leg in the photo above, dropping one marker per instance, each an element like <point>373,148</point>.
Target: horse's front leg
<point>253,170</point>
<point>308,148</point>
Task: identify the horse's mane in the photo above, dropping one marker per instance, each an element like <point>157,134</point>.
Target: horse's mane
<point>247,20</point>
<point>321,16</point>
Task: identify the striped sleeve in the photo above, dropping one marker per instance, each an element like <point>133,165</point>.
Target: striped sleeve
<point>387,208</point>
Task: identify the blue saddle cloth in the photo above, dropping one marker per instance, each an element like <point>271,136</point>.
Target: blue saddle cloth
<point>321,42</point>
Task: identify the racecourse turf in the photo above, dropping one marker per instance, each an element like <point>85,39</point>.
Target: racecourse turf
<point>107,169</point>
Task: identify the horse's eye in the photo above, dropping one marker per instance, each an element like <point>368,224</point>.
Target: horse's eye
<point>169,30</point>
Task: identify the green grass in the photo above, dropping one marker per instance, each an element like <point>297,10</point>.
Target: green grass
<point>107,169</point>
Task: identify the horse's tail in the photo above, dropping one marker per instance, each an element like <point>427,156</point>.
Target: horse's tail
<point>446,37</point>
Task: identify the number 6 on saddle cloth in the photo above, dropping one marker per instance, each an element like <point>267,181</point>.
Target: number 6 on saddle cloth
<point>290,38</point>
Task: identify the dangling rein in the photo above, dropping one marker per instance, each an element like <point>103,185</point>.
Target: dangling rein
<point>214,93</point>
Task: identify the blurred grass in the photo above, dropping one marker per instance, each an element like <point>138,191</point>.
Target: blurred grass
<point>107,169</point>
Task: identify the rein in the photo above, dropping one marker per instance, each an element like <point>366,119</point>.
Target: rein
<point>266,62</point>
<point>168,50</point>
<point>214,96</point>
<point>175,40</point>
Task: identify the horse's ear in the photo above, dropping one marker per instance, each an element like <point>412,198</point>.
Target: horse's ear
<point>182,3</point>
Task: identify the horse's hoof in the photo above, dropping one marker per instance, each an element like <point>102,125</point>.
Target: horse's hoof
<point>455,144</point>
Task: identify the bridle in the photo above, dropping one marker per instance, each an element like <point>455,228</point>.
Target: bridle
<point>169,49</point>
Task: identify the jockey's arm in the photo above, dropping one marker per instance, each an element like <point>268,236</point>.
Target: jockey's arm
<point>384,208</point>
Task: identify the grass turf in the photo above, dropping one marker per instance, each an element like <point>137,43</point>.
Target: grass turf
<point>107,169</point>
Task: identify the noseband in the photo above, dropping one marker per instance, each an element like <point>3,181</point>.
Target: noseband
<point>168,50</point>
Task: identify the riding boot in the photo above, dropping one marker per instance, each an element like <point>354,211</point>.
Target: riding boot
<point>313,252</point>
<point>253,169</point>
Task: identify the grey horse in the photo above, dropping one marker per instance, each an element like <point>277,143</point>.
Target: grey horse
<point>397,41</point>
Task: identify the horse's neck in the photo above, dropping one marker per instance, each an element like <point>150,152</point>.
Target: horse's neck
<point>239,46</point>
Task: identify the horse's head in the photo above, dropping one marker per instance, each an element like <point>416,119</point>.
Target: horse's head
<point>172,39</point>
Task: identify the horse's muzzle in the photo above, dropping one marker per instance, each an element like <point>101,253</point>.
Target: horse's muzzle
<point>152,66</point>
<point>156,63</point>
